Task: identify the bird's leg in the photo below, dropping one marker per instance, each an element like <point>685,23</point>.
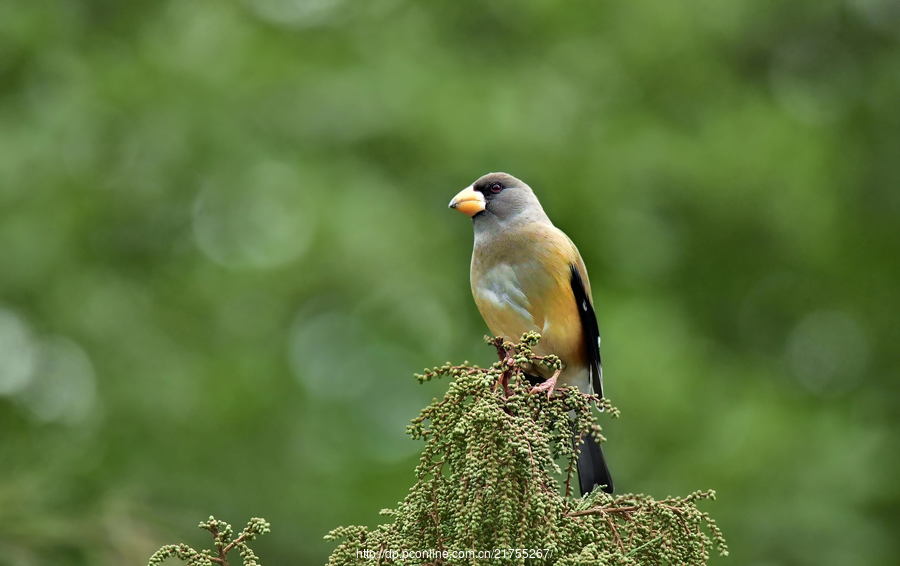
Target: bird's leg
<point>506,359</point>
<point>505,375</point>
<point>549,385</point>
<point>497,342</point>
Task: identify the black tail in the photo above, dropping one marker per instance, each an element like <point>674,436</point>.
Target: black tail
<point>592,470</point>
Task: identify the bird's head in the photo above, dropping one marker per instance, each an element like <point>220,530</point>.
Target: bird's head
<point>498,198</point>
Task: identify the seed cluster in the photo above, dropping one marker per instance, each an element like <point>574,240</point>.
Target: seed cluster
<point>223,541</point>
<point>497,471</point>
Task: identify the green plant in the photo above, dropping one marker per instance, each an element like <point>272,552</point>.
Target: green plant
<point>490,485</point>
<point>223,541</point>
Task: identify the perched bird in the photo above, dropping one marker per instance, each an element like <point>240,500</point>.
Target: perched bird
<point>527,275</point>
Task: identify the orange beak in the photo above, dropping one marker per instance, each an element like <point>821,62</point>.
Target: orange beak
<point>468,201</point>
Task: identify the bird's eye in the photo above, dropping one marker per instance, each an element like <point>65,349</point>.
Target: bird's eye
<point>496,188</point>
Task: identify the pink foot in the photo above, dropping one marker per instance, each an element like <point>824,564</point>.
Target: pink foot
<point>549,386</point>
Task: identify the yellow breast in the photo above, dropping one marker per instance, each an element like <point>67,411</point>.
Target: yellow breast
<point>523,284</point>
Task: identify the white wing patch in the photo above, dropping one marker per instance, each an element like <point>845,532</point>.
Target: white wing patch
<point>501,287</point>
<point>600,366</point>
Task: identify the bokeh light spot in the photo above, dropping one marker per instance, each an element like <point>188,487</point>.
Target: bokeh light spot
<point>63,388</point>
<point>323,358</point>
<point>880,14</point>
<point>827,352</point>
<point>260,219</point>
<point>295,13</point>
<point>17,353</point>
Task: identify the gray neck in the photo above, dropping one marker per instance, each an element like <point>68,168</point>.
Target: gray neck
<point>488,225</point>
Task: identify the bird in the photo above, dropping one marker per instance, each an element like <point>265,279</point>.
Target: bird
<point>527,275</point>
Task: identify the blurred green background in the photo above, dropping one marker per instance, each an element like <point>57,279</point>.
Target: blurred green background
<point>225,249</point>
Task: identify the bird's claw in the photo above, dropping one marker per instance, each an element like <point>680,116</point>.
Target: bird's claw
<point>549,386</point>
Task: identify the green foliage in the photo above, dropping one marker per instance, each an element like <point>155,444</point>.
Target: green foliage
<point>223,541</point>
<point>487,482</point>
<point>224,235</point>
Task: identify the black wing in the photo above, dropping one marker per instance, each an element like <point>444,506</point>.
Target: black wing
<point>589,329</point>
